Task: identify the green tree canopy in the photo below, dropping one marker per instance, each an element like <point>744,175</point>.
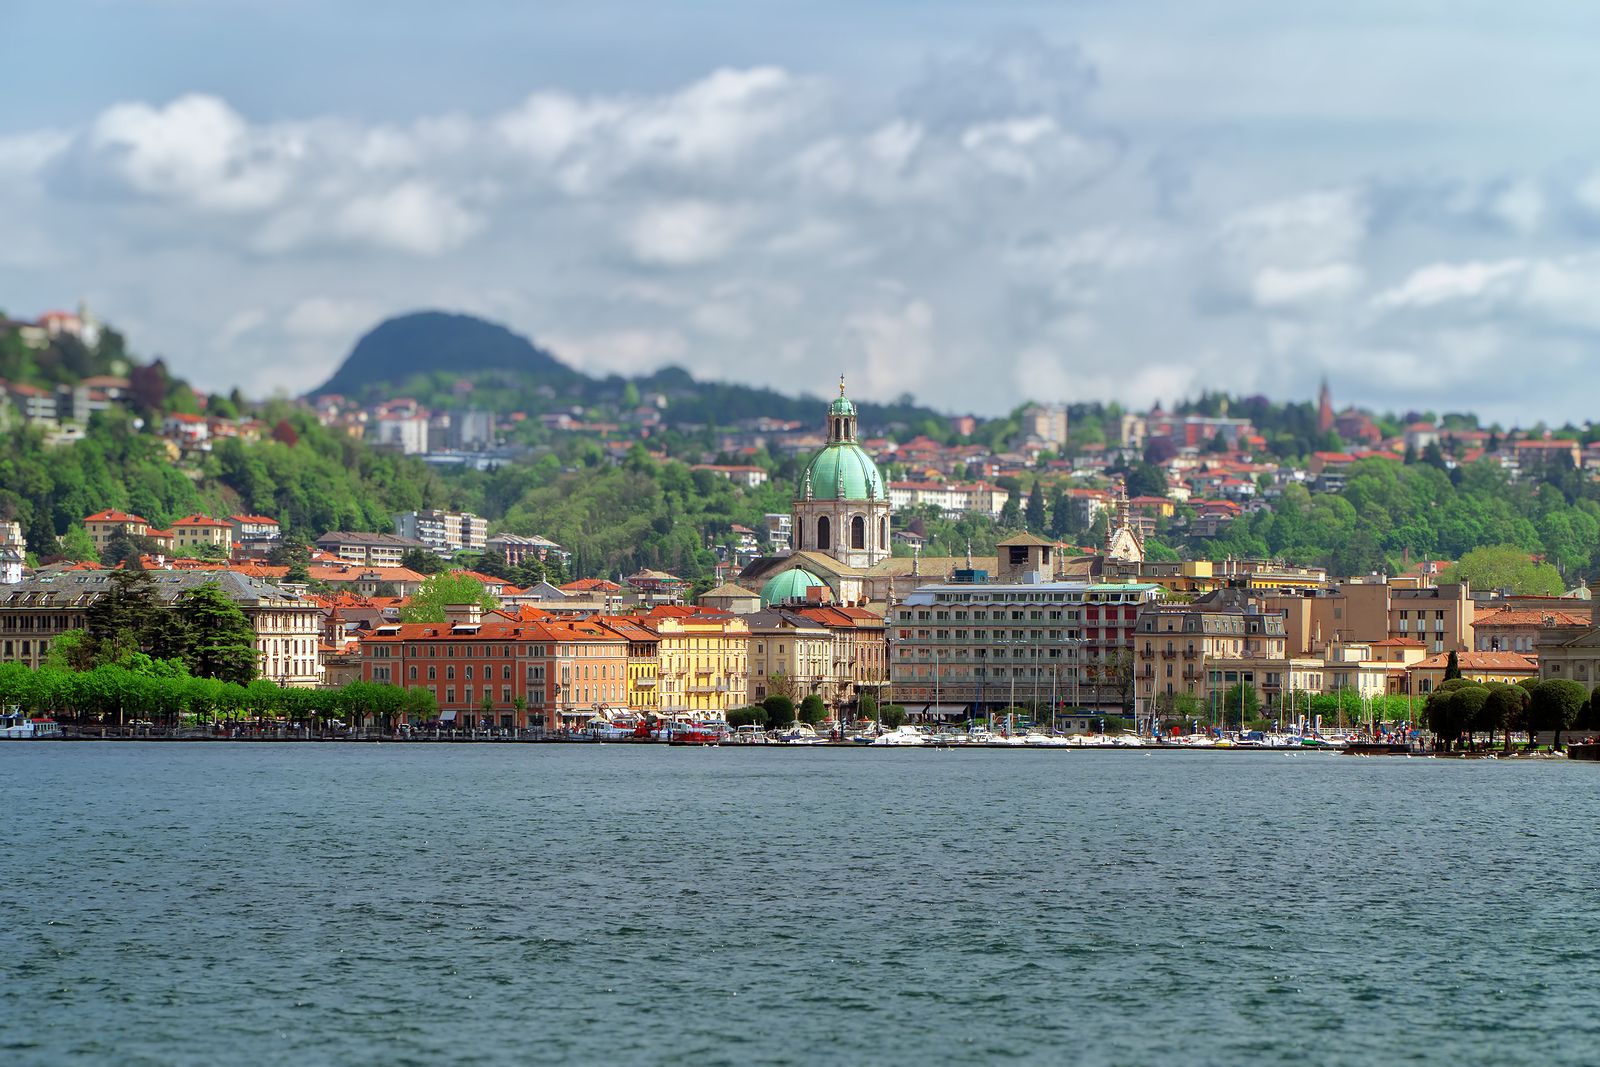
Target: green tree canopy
<point>1505,567</point>
<point>445,590</point>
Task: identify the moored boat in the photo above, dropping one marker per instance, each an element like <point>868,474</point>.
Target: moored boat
<point>17,726</point>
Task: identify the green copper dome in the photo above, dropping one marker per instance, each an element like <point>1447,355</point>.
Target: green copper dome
<point>790,585</point>
<point>842,471</point>
<point>842,406</point>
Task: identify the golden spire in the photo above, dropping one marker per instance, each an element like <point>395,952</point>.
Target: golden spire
<point>841,385</point>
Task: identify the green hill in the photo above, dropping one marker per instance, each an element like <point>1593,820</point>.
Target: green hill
<point>427,341</point>
<point>424,355</point>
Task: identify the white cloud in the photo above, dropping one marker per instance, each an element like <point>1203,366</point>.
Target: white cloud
<point>1275,287</point>
<point>196,150</point>
<point>683,232</point>
<point>411,217</point>
<point>1441,283</point>
<point>986,234</point>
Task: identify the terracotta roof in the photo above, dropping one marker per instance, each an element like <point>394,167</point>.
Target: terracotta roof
<point>1482,662</point>
<point>200,520</point>
<point>1529,617</point>
<point>113,515</point>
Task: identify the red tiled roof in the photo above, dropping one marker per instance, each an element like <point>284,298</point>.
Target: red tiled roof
<point>1482,662</point>
<point>113,515</point>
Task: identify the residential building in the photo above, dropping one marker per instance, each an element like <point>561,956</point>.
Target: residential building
<point>743,475</point>
<point>791,653</point>
<point>256,534</point>
<point>505,674</point>
<point>367,580</point>
<point>654,588</point>
<point>730,598</point>
<point>189,431</point>
<point>704,662</point>
<point>858,653</point>
<point>375,549</point>
<point>1046,422</point>
<point>1520,629</point>
<point>445,532</point>
<point>1365,612</point>
<point>1205,648</point>
<point>406,433</point>
<point>518,550</point>
<point>952,498</point>
<point>102,526</point>
<point>644,661</point>
<point>202,531</point>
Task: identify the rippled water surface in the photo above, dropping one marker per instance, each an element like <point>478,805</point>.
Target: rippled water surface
<point>389,904</point>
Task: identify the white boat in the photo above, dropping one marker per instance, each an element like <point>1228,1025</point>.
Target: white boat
<point>17,726</point>
<point>751,735</point>
<point>799,733</point>
<point>902,735</point>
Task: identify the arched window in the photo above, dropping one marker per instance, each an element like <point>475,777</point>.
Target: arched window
<point>883,533</point>
<point>824,542</point>
<point>858,532</point>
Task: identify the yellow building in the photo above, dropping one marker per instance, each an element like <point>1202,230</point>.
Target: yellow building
<point>102,526</point>
<point>703,662</point>
<point>200,531</point>
<point>643,662</point>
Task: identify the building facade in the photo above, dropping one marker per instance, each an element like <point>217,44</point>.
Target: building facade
<point>446,532</point>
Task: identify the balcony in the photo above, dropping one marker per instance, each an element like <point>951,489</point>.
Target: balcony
<point>1168,653</point>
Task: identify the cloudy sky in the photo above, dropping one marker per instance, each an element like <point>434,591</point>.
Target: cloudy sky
<point>978,203</point>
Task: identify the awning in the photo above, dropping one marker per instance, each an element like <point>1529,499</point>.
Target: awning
<point>447,716</point>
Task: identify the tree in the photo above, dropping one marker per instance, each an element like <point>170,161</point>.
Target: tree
<point>425,562</point>
<point>781,685</point>
<point>219,640</point>
<point>122,620</point>
<point>867,706</point>
<point>1036,513</point>
<point>446,590</point>
<point>1061,514</point>
<point>1443,716</point>
<point>1556,705</point>
<point>124,549</point>
<point>1146,479</point>
<point>1010,514</point>
<point>813,710</point>
<point>76,545</point>
<point>892,716</point>
<point>1505,709</point>
<point>1505,566</point>
<point>1239,700</point>
<point>73,650</point>
<point>780,711</point>
<point>1452,666</point>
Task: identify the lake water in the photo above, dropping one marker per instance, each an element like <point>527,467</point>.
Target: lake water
<point>394,904</point>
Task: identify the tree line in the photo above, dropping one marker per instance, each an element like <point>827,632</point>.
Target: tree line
<point>160,690</point>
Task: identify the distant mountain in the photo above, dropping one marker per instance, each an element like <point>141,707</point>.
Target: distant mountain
<point>424,342</point>
<point>420,352</point>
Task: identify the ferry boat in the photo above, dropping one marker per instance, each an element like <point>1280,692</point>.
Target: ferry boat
<point>17,726</point>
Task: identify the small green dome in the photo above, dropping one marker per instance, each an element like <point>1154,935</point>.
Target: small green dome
<point>790,585</point>
<point>842,406</point>
<point>842,471</point>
